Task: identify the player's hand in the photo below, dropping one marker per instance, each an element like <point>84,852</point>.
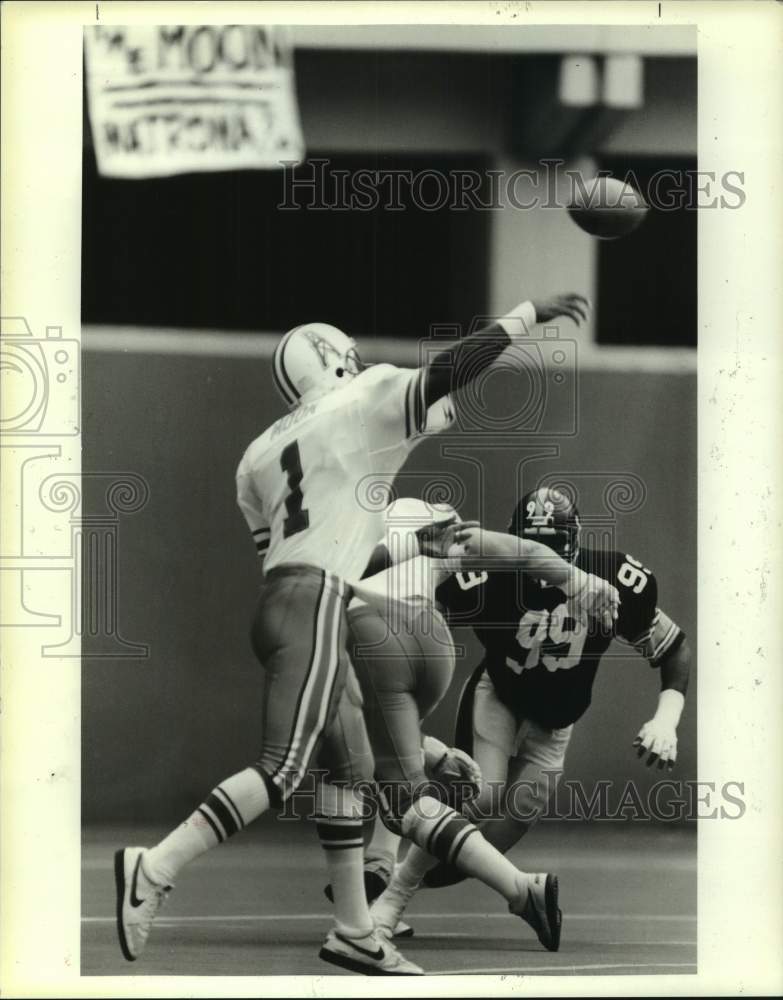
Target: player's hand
<point>571,304</point>
<point>598,599</point>
<point>436,539</point>
<point>659,740</point>
<point>451,767</point>
<point>458,768</point>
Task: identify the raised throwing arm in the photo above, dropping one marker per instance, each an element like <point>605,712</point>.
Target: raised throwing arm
<point>456,366</point>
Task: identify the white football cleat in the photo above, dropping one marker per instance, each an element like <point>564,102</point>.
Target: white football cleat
<point>372,955</point>
<point>537,905</point>
<point>138,901</point>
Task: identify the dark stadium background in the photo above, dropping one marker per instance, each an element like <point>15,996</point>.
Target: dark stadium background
<point>211,252</point>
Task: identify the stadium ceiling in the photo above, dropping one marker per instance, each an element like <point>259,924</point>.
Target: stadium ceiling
<point>663,40</point>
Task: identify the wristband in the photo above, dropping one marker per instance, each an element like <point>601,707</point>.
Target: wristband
<point>670,706</point>
<point>519,322</point>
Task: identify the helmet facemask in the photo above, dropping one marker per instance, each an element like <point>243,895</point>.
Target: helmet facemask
<point>551,518</point>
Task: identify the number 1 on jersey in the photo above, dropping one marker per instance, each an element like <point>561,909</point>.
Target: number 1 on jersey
<point>291,463</point>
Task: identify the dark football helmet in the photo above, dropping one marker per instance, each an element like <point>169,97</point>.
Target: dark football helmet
<point>550,517</point>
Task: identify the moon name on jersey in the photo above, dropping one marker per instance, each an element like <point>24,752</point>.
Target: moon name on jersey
<point>297,415</point>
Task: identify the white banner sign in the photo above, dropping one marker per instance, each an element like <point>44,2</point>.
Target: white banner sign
<point>175,99</point>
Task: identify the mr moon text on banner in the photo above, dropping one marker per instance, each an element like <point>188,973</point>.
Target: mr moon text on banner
<point>174,99</point>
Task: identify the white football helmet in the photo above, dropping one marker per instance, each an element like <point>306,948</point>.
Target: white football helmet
<point>412,513</point>
<point>313,359</point>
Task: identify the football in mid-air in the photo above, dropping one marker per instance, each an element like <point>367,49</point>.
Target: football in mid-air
<point>607,208</point>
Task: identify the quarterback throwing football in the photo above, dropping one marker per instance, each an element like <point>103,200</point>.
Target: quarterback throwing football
<point>297,487</point>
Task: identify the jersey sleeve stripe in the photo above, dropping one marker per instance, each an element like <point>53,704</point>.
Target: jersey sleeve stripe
<point>666,642</point>
<point>262,531</point>
<point>643,638</point>
<point>671,648</point>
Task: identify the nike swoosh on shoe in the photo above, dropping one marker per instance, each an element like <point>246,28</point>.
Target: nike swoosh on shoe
<point>377,955</point>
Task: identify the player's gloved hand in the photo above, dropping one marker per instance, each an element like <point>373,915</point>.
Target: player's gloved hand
<point>436,539</point>
<point>658,738</point>
<point>451,767</point>
<point>570,304</point>
<point>593,596</point>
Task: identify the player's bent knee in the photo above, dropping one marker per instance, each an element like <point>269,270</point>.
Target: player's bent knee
<point>437,829</point>
<point>396,798</point>
<point>277,791</point>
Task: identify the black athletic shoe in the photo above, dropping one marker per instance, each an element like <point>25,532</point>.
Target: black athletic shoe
<point>538,907</point>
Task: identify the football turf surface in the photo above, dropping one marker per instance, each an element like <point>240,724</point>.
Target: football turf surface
<point>255,906</point>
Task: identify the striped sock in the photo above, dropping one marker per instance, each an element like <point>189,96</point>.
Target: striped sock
<point>228,808</point>
<point>343,844</point>
<point>442,832</point>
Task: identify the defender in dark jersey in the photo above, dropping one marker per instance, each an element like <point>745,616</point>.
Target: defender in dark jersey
<point>538,657</point>
<point>517,710</point>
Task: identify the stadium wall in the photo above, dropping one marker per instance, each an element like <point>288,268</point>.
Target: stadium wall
<point>158,732</point>
<point>457,102</point>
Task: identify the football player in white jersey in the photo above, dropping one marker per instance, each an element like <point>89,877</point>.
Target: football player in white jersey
<point>299,486</point>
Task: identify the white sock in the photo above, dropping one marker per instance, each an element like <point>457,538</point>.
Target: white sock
<point>388,908</point>
<point>408,875</point>
<point>233,804</point>
<point>451,838</point>
<point>481,860</point>
<point>383,847</point>
<point>341,833</point>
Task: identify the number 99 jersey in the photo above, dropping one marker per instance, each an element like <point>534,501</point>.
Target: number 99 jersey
<point>310,485</point>
<point>542,661</point>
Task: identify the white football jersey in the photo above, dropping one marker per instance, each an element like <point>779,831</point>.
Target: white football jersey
<point>312,486</point>
<point>414,579</point>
